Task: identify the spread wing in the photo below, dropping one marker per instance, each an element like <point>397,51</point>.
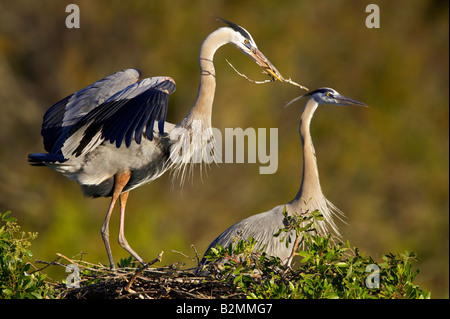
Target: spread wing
<point>125,116</point>
<point>97,115</point>
<point>61,117</point>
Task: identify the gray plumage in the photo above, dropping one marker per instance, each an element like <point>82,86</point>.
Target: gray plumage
<point>111,137</point>
<point>263,226</point>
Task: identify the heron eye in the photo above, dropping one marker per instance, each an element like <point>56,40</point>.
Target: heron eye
<point>246,41</point>
<point>328,94</point>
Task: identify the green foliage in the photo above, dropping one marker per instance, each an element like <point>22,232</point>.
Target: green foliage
<point>326,269</point>
<point>129,262</point>
<point>15,279</point>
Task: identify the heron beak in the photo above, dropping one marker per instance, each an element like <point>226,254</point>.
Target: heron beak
<point>262,61</point>
<point>344,100</point>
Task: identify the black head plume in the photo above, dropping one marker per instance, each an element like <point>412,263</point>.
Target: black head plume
<point>237,28</point>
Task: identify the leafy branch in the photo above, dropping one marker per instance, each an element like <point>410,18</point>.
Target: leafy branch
<point>325,269</point>
<point>17,278</point>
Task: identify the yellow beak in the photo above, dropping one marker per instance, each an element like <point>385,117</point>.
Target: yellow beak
<point>266,64</point>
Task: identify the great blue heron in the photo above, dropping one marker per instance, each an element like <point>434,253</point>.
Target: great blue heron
<point>263,226</point>
<point>111,136</point>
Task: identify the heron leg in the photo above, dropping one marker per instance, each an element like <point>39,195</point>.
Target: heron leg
<point>105,232</point>
<point>122,240</point>
<point>120,180</point>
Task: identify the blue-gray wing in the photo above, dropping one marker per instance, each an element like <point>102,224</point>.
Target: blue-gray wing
<point>261,228</point>
<point>64,115</point>
<point>125,116</point>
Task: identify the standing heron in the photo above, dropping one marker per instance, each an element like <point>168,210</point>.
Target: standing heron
<point>111,136</point>
<point>262,227</point>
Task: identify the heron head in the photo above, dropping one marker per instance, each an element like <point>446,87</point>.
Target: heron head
<point>331,96</point>
<point>242,40</point>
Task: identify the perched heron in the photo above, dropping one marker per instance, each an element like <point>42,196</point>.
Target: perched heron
<point>262,227</point>
<point>111,136</point>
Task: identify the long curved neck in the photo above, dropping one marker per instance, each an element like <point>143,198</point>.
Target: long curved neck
<point>202,108</point>
<point>310,185</point>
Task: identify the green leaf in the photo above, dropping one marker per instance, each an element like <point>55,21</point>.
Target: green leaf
<point>342,264</point>
<point>5,217</point>
<point>7,292</point>
<point>306,256</point>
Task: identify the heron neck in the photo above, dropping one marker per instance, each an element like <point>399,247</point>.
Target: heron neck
<point>310,185</point>
<point>202,108</point>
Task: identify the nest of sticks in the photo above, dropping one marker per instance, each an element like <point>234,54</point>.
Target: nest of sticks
<point>96,281</point>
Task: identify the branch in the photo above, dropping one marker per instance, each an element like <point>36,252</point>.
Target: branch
<point>250,80</point>
<point>297,242</point>
<point>140,270</point>
<point>196,254</point>
<point>48,264</point>
<point>267,81</point>
<point>295,83</point>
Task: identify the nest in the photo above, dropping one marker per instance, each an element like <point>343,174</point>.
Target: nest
<point>95,281</point>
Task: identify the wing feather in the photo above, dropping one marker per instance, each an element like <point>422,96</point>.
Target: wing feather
<point>123,116</point>
<point>62,116</point>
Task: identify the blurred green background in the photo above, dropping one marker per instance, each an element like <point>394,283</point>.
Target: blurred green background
<point>385,166</point>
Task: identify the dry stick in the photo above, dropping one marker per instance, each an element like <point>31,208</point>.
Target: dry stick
<point>48,264</point>
<point>295,83</point>
<point>183,254</point>
<point>140,270</point>
<point>196,254</point>
<point>86,264</point>
<point>267,81</point>
<point>197,257</point>
<point>250,80</point>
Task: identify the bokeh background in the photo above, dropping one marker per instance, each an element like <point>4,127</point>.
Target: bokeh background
<point>385,166</point>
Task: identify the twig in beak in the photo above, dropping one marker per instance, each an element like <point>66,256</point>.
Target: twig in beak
<point>250,80</point>
<point>295,83</point>
<point>272,79</point>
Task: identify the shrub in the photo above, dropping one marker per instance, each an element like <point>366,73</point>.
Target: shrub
<point>326,269</point>
<point>16,280</point>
